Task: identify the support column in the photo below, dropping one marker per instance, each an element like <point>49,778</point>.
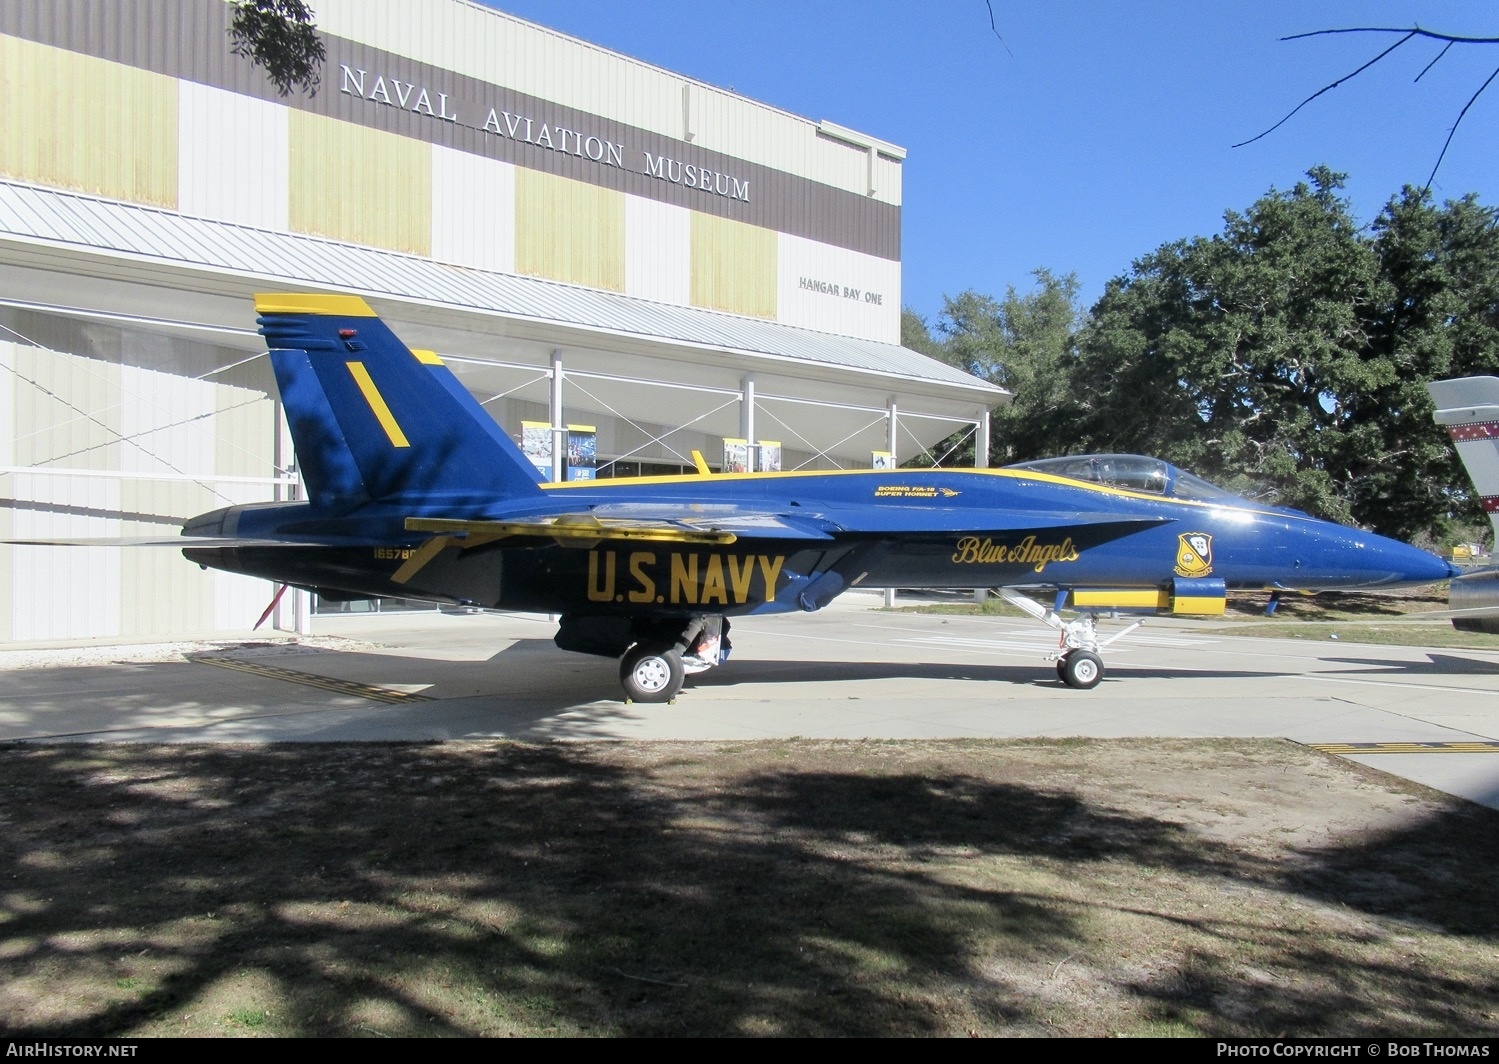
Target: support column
<point>559,428</point>
<point>892,422</point>
<point>747,419</point>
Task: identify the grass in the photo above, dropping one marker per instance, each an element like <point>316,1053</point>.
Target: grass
<point>1208,888</point>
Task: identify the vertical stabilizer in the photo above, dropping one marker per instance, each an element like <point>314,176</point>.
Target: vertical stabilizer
<point>374,421</point>
<point>1468,408</point>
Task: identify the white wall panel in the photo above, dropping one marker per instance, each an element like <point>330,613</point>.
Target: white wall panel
<point>238,601</point>
<point>7,482</point>
<point>65,592</point>
<point>473,210</point>
<point>66,412</point>
<point>169,423</point>
<point>232,157</point>
<point>658,251</point>
<point>245,435</point>
<point>816,288</point>
<point>76,413</point>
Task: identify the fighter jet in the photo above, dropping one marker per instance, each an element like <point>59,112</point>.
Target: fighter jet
<point>415,492</point>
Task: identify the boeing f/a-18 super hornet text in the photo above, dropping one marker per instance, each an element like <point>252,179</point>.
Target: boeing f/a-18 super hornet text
<point>415,492</point>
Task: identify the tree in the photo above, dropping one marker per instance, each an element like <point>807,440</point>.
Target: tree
<point>1287,356</point>
<point>1036,355</point>
<point>1023,343</point>
<point>279,37</point>
<point>1441,320</point>
<point>915,335</point>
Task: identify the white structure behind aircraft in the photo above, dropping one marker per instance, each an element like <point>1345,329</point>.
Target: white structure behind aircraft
<point>1468,408</point>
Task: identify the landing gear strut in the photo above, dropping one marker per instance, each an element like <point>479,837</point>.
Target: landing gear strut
<point>1078,662</point>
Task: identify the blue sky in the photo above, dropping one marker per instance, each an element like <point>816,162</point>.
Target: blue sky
<point>1104,130</point>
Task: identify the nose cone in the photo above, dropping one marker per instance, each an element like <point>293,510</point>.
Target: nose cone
<point>1346,557</point>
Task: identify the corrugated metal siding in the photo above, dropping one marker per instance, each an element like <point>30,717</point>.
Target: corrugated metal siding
<point>186,39</point>
<point>473,211</point>
<point>568,231</point>
<point>245,430</point>
<point>809,306</point>
<point>733,267</point>
<point>77,122</point>
<point>67,414</point>
<point>7,458</point>
<point>104,411</point>
<point>658,251</point>
<point>68,219</point>
<point>360,185</point>
<point>496,47</point>
<point>169,422</point>
<point>233,160</point>
<point>70,596</point>
<point>67,410</point>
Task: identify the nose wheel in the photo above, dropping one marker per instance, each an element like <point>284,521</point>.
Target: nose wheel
<point>1081,669</point>
<point>1079,665</point>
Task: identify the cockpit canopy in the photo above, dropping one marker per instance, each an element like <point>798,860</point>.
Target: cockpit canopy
<point>1132,472</point>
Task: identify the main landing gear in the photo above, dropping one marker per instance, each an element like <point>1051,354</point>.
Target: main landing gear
<point>1077,656</point>
<point>655,653</point>
<point>653,670</point>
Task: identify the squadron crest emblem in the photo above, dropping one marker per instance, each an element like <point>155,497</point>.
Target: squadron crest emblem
<point>1194,554</point>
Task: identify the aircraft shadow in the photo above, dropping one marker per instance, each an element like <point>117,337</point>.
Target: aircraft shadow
<point>1435,665</point>
<point>753,671</point>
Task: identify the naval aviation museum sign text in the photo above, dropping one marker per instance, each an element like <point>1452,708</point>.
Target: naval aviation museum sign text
<point>418,99</point>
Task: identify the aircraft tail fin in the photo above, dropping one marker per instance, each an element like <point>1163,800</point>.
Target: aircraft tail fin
<point>373,420</point>
<point>1468,408</point>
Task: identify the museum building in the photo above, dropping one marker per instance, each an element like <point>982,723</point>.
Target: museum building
<point>622,264</point>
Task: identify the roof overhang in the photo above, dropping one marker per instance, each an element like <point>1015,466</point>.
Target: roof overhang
<point>82,255</point>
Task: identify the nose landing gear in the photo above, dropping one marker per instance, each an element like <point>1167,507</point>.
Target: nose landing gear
<point>1079,664</point>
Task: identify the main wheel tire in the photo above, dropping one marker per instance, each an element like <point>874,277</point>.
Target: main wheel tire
<point>651,672</point>
<point>1082,669</point>
<point>1062,669</point>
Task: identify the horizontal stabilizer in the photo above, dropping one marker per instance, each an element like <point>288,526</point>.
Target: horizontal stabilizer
<point>179,541</point>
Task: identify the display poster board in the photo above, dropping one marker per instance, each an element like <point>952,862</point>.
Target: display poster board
<point>736,456</point>
<point>582,452</point>
<point>882,460</point>
<point>536,444</point>
<point>770,456</point>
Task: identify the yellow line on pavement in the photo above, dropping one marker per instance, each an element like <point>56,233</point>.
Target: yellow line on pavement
<point>1470,747</point>
<point>307,679</point>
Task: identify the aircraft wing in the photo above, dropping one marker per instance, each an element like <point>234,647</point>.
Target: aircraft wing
<point>893,520</point>
<point>573,528</point>
<point>701,525</point>
<point>691,525</point>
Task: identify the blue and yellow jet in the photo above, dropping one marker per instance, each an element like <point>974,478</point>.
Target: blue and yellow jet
<point>416,493</point>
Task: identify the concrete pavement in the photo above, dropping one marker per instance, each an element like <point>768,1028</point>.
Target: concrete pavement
<point>848,672</point>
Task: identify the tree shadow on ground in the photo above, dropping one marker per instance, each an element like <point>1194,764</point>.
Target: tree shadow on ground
<point>494,888</point>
